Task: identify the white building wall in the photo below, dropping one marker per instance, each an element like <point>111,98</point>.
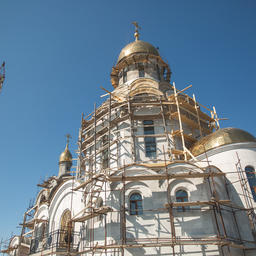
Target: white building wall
<point>225,158</point>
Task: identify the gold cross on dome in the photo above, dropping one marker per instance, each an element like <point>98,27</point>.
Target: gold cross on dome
<point>137,27</point>
<point>68,136</point>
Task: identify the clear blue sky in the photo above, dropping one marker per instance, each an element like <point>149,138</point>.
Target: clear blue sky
<point>58,54</point>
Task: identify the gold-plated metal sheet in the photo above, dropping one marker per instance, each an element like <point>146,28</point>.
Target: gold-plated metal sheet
<point>220,138</point>
<point>137,47</point>
<point>66,156</point>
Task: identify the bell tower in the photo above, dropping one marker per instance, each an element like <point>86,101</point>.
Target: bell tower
<point>139,59</point>
<point>65,161</point>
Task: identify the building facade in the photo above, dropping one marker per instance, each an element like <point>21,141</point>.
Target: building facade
<point>155,175</point>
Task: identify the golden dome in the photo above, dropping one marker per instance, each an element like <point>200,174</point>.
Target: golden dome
<point>220,138</point>
<point>137,47</point>
<point>65,156</point>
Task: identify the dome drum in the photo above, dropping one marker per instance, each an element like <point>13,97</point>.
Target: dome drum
<point>137,58</point>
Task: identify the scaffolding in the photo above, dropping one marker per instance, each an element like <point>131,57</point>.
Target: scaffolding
<point>105,121</point>
<point>101,131</point>
<point>246,194</point>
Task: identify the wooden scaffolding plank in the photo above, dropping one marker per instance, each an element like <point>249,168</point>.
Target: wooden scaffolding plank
<point>195,203</point>
<point>178,242</point>
<point>149,135</point>
<point>28,233</point>
<point>189,122</point>
<point>89,181</point>
<point>177,151</point>
<point>186,136</point>
<point>191,107</point>
<point>164,176</point>
<point>94,213</point>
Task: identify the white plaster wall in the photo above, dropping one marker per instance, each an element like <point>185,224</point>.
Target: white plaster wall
<point>156,224</point>
<point>62,201</point>
<point>133,72</point>
<point>225,158</point>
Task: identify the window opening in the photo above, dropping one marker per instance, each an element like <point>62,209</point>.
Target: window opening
<point>105,160</point>
<point>136,204</point>
<point>182,196</point>
<point>164,73</point>
<point>150,142</point>
<point>158,72</point>
<point>99,205</point>
<point>120,75</point>
<point>250,173</point>
<point>125,76</point>
<point>105,157</point>
<point>141,70</point>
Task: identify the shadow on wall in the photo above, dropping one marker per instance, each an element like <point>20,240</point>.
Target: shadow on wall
<point>134,251</point>
<point>241,216</point>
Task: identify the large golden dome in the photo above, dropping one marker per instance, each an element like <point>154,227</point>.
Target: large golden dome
<point>220,138</point>
<point>65,156</point>
<point>137,47</point>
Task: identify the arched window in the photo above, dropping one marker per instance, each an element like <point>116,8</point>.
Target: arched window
<point>66,229</point>
<point>136,204</point>
<point>250,173</point>
<point>65,218</point>
<point>181,196</point>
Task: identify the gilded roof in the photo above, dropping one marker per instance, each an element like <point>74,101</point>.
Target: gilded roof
<point>137,47</point>
<point>220,138</point>
<point>65,156</point>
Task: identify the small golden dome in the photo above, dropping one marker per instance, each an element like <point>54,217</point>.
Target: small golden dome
<point>137,47</point>
<point>65,156</point>
<point>220,138</point>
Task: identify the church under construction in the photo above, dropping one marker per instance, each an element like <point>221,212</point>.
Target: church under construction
<point>154,175</point>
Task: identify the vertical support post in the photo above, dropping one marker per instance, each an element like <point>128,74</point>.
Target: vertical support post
<point>197,114</point>
<point>23,227</point>
<point>109,157</point>
<point>109,126</point>
<point>172,136</point>
<point>165,126</point>
<point>71,224</point>
<point>216,118</point>
<point>105,240</point>
<point>170,207</point>
<point>133,147</point>
<point>216,207</point>
<point>91,222</point>
<point>79,158</point>
<point>123,226</point>
<point>117,147</point>
<point>233,212</point>
<point>213,194</point>
<point>180,122</point>
<point>95,141</point>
